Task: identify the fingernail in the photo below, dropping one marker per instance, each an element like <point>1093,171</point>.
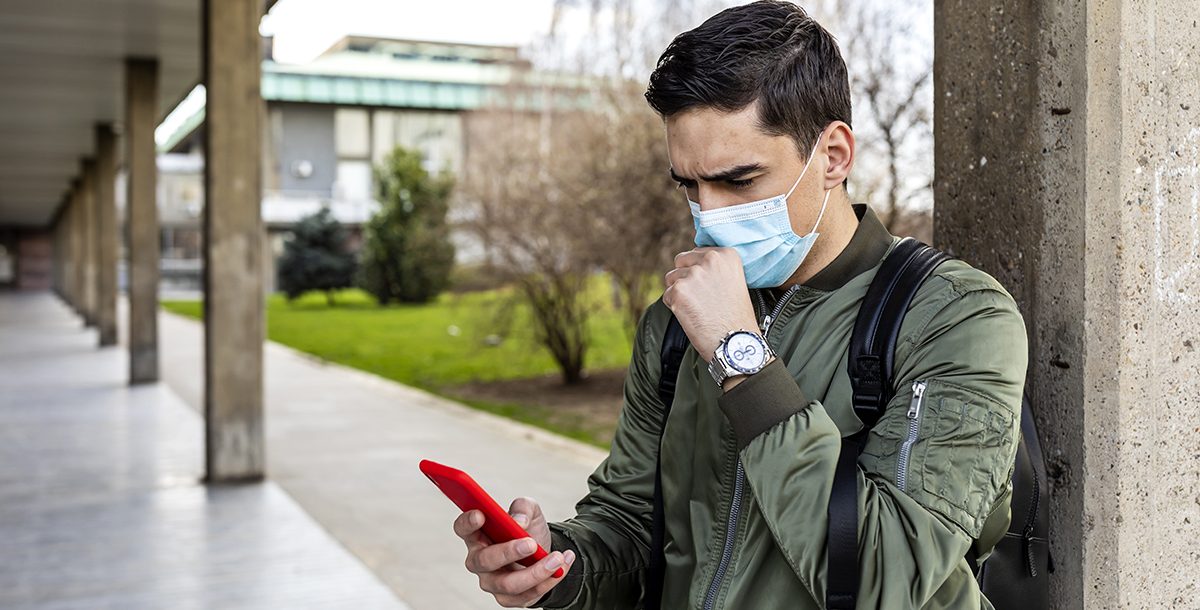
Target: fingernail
<point>554,561</point>
<point>569,557</point>
<point>521,519</point>
<point>476,519</point>
<point>526,546</point>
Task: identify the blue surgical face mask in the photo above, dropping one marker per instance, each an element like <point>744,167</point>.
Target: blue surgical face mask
<point>762,234</point>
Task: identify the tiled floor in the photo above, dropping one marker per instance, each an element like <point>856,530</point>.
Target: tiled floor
<point>100,505</point>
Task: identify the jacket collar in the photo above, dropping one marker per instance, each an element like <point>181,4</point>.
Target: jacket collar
<point>868,245</point>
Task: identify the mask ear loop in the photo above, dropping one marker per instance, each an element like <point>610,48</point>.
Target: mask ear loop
<point>797,183</point>
<point>822,214</point>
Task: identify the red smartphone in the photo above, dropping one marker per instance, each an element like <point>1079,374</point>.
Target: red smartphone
<point>498,525</point>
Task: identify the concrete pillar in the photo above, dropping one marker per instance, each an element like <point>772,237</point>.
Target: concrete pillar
<point>141,114</point>
<point>63,253</point>
<point>87,257</point>
<point>56,266</point>
<point>233,305</point>
<point>77,265</point>
<point>106,234</point>
<point>56,252</point>
<point>1066,165</point>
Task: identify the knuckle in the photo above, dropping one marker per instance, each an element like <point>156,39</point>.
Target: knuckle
<point>507,587</point>
<point>512,553</point>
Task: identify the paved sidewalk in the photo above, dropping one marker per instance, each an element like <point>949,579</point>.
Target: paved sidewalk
<point>100,500</point>
<point>345,444</point>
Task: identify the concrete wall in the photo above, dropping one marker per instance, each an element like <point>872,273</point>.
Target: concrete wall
<point>1066,166</point>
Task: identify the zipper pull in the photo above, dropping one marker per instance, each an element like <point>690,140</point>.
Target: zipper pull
<point>766,321</point>
<point>914,408</point>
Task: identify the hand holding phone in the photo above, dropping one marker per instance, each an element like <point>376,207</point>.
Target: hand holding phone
<point>494,540</point>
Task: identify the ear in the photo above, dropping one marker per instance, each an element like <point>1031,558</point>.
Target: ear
<point>839,147</point>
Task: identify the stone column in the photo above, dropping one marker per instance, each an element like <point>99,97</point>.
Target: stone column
<point>64,249</point>
<point>87,257</point>
<point>233,314</point>
<point>141,110</point>
<point>77,265</point>
<point>56,253</point>
<point>106,234</point>
<point>1066,164</point>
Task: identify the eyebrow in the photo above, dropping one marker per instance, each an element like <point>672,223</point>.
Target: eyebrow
<point>732,173</point>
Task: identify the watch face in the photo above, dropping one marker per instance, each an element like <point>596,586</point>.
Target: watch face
<point>745,352</point>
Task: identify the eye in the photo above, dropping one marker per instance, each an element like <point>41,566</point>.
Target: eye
<point>741,184</point>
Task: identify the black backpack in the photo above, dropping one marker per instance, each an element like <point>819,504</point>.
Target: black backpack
<point>1014,576</point>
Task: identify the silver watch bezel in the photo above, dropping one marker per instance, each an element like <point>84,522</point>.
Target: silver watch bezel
<point>721,369</point>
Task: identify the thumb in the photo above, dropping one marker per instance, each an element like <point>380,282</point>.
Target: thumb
<point>522,510</point>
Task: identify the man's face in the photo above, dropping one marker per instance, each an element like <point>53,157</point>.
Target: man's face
<point>725,159</point>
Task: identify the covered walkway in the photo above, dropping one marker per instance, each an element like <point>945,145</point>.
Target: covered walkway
<point>101,499</point>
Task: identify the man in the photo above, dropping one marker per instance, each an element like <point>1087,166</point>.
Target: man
<point>756,105</point>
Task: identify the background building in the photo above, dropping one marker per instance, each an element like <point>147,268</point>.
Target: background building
<point>328,123</point>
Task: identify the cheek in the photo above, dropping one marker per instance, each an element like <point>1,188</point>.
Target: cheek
<point>804,205</point>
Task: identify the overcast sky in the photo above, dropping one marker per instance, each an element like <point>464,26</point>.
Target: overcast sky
<point>304,28</point>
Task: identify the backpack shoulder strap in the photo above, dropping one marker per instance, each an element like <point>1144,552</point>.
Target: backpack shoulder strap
<point>870,363</point>
<point>675,343</point>
<point>877,327</point>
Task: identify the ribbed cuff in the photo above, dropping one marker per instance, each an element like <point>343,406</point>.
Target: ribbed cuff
<point>762,400</point>
<point>565,592</point>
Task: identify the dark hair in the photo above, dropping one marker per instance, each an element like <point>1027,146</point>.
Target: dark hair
<point>770,52</point>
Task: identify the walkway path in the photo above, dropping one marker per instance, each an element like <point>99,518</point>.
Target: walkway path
<point>345,444</point>
<point>100,504</point>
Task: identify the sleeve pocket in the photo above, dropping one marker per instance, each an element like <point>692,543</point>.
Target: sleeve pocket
<point>963,456</point>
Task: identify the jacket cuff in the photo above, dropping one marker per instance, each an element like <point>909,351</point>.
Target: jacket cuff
<point>762,400</point>
<point>567,590</point>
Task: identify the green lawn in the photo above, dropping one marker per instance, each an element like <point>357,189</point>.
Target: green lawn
<point>440,344</point>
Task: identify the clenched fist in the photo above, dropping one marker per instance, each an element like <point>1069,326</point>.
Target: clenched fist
<point>512,584</point>
<point>707,292</point>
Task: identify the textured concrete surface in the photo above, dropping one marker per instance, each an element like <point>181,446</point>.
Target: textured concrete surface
<point>100,500</point>
<point>345,444</point>
<point>141,218</point>
<point>233,238</point>
<point>107,237</point>
<point>87,204</point>
<point>1066,165</point>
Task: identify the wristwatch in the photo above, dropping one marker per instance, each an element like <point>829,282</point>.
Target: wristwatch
<point>741,352</point>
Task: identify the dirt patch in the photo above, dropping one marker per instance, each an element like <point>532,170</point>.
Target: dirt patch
<point>587,410</point>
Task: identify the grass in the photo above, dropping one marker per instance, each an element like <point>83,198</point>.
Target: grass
<point>456,339</point>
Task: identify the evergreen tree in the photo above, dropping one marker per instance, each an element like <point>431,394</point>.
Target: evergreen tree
<point>316,258</point>
<point>407,253</point>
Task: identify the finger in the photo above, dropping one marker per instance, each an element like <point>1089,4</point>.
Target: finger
<point>468,523</point>
<point>676,274</point>
<point>540,589</point>
<point>668,297</point>
<point>496,556</point>
<point>517,583</point>
<point>684,259</point>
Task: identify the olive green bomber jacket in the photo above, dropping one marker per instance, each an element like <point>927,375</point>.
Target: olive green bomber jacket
<point>746,474</point>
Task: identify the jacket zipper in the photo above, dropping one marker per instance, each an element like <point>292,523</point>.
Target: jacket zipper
<point>730,529</point>
<point>914,427</point>
<point>762,306</point>
<point>735,505</point>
